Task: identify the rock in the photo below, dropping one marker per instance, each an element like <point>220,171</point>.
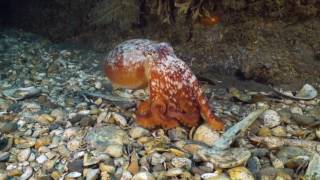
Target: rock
<point>138,132</point>
<point>174,172</point>
<point>271,118</point>
<point>181,162</point>
<point>27,173</point>
<point>73,175</point>
<point>8,127</point>
<point>101,138</point>
<point>305,120</point>
<point>264,132</point>
<point>41,159</point>
<point>279,131</point>
<point>114,150</point>
<point>206,134</point>
<point>107,168</point>
<point>24,154</point>
<point>71,132</point>
<point>92,174</point>
<point>293,157</point>
<point>240,173</point>
<point>119,119</point>
<point>178,133</point>
<point>76,165</point>
<point>74,144</point>
<point>134,164</point>
<point>98,85</point>
<point>157,159</point>
<point>42,141</point>
<point>4,156</point>
<point>296,110</point>
<point>87,121</point>
<point>58,114</point>
<point>143,176</point>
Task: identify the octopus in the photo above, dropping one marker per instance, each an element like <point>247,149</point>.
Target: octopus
<point>175,95</point>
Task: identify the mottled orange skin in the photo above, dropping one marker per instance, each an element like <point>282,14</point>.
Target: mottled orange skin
<point>175,96</point>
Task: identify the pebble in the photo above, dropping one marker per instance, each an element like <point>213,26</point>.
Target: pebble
<point>76,165</point>
<point>157,159</point>
<point>240,173</point>
<point>24,154</point>
<point>138,132</point>
<point>271,118</point>
<point>92,174</point>
<point>114,150</point>
<point>206,134</point>
<point>143,176</point>
<point>181,162</point>
<point>4,156</point>
<point>8,127</point>
<point>41,159</point>
<point>74,144</point>
<point>174,172</point>
<point>27,173</point>
<point>279,131</point>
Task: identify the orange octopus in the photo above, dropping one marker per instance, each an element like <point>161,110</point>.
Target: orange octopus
<point>175,95</point>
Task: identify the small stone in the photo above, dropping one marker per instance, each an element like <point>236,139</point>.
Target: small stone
<point>206,134</point>
<point>92,174</point>
<point>24,154</point>
<point>98,85</point>
<point>74,144</point>
<point>157,159</point>
<point>177,134</point>
<point>174,172</point>
<point>8,127</point>
<point>181,162</point>
<point>55,175</point>
<point>45,119</point>
<point>87,121</point>
<point>107,168</point>
<point>76,165</point>
<point>27,173</point>
<point>143,176</point>
<point>133,167</point>
<point>114,150</point>
<point>89,160</point>
<point>264,132</point>
<point>296,110</point>
<point>58,114</point>
<point>119,119</point>
<point>240,173</point>
<point>14,172</point>
<point>126,175</point>
<point>73,175</point>
<point>4,156</point>
<point>43,141</point>
<point>41,159</point>
<point>98,101</point>
<point>49,165</point>
<point>271,118</point>
<point>138,132</point>
<point>71,132</point>
<point>279,131</point>
<point>24,142</point>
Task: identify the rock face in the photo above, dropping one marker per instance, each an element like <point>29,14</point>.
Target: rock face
<point>277,48</point>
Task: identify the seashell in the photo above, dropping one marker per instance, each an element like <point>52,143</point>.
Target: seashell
<point>21,93</point>
<point>307,92</point>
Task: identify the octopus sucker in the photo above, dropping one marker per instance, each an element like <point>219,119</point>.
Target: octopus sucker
<point>175,95</point>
